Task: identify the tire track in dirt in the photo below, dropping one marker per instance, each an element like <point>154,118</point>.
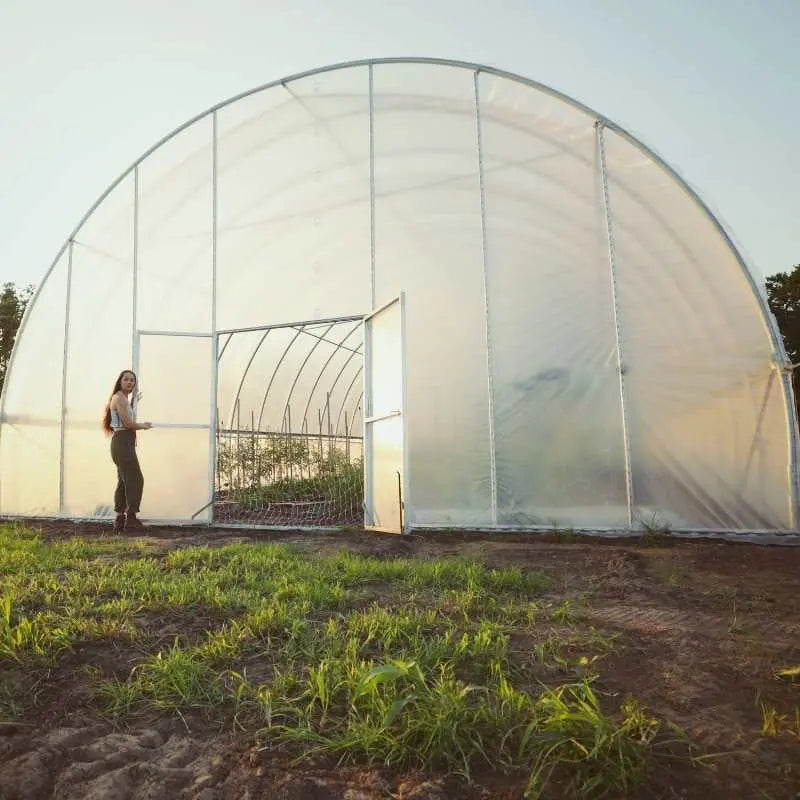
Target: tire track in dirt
<point>695,667</point>
<point>641,618</point>
<point>644,619</point>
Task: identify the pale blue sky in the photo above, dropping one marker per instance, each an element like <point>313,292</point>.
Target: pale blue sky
<point>713,86</point>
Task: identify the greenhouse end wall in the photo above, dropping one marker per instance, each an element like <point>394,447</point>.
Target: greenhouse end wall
<point>584,346</point>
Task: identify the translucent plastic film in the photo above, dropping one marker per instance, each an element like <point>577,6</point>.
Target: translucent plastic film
<point>174,462</point>
<point>235,369</point>
<point>30,437</point>
<point>557,419</point>
<point>100,346</point>
<point>582,344</point>
<point>383,389</point>
<point>299,379</point>
<point>385,347</point>
<point>385,459</point>
<point>428,243</point>
<point>175,233</point>
<point>175,379</point>
<point>293,202</point>
<point>708,427</point>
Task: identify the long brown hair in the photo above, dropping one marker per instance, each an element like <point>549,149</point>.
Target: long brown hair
<point>107,429</point>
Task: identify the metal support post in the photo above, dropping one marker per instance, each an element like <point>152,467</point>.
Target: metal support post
<point>612,261</point>
<point>135,274</point>
<point>371,189</point>
<point>64,383</point>
<point>212,425</point>
<point>490,386</point>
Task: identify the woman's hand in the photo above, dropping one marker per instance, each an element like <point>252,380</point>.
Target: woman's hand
<point>146,426</point>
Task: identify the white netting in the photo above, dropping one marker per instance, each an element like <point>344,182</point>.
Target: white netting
<point>289,479</point>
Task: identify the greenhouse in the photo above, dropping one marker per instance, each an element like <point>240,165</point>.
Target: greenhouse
<point>406,293</point>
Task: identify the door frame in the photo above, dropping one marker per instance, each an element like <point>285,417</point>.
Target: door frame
<point>212,422</point>
<point>218,350</point>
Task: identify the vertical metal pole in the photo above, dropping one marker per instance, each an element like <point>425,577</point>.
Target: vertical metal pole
<point>238,445</point>
<point>64,383</point>
<point>212,423</point>
<point>307,454</point>
<point>253,459</point>
<point>794,476</point>
<point>331,442</point>
<point>289,449</point>
<point>490,385</point>
<point>247,368</point>
<point>229,443</point>
<point>612,261</point>
<point>406,498</point>
<point>217,439</point>
<point>400,501</point>
<point>319,441</point>
<point>135,276</point>
<point>366,439</point>
<point>371,190</point>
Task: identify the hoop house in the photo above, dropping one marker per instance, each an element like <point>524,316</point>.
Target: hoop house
<point>513,311</point>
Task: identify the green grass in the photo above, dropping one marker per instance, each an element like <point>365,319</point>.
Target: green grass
<point>415,664</point>
<point>655,531</point>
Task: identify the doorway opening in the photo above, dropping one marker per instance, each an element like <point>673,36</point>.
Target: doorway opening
<point>289,435</point>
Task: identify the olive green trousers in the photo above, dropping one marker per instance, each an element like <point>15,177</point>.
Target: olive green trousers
<point>130,481</point>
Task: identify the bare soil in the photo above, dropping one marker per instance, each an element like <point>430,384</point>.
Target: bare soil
<point>703,625</point>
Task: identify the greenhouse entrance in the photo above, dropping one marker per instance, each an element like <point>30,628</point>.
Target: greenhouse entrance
<point>290,447</point>
<point>289,437</point>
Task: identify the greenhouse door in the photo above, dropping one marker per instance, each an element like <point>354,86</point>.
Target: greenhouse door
<point>175,381</point>
<point>384,403</point>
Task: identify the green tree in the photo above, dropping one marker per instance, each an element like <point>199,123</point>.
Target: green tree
<point>13,301</point>
<point>783,294</point>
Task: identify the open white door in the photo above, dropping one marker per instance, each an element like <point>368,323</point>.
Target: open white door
<point>384,405</point>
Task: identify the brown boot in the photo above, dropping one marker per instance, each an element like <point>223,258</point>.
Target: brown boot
<point>119,523</point>
<point>132,523</point>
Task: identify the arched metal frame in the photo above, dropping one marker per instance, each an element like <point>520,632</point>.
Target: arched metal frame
<point>338,346</point>
<point>286,408</point>
<point>601,122</point>
<point>244,375</point>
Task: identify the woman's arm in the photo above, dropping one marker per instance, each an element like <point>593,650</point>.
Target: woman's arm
<point>120,404</point>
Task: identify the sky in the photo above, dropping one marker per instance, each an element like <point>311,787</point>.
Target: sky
<point>712,86</point>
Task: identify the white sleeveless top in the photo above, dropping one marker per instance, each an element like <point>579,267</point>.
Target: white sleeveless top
<point>116,422</point>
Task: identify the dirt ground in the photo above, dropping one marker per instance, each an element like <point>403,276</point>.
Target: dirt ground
<point>703,627</point>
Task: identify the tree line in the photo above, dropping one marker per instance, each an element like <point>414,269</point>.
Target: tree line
<point>783,294</point>
<point>13,301</point>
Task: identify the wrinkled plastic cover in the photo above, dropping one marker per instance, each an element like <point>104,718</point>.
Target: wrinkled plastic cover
<point>583,346</point>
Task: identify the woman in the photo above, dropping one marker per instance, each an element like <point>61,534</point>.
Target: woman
<point>120,423</point>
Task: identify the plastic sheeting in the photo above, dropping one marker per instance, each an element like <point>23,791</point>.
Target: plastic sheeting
<point>583,345</point>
